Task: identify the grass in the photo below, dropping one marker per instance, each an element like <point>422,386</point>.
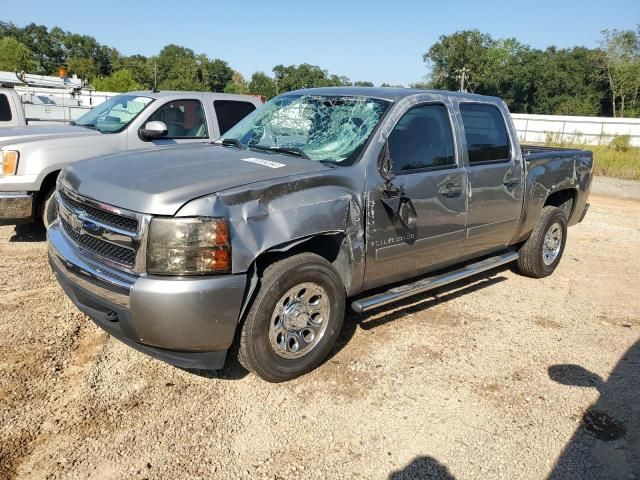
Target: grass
<point>617,159</point>
<point>619,164</point>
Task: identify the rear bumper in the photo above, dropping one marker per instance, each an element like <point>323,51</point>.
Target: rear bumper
<point>584,212</point>
<point>186,322</point>
<point>16,206</point>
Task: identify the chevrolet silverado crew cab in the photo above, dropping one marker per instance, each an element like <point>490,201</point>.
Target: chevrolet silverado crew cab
<point>319,196</point>
<point>32,156</point>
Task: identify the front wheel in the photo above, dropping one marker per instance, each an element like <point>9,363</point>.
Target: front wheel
<point>541,253</point>
<point>49,209</point>
<point>295,319</point>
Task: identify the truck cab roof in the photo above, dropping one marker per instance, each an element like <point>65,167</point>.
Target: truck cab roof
<point>175,94</point>
<point>391,94</point>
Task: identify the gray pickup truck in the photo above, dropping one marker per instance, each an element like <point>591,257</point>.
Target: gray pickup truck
<point>319,196</point>
<point>32,156</point>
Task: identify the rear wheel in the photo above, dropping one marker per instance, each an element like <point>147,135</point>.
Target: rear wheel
<point>295,319</point>
<point>541,253</point>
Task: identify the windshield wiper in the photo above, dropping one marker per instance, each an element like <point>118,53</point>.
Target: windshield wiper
<point>298,152</point>
<point>85,125</point>
<point>232,142</point>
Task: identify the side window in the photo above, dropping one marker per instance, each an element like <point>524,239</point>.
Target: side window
<point>5,109</point>
<point>486,132</point>
<point>422,139</point>
<point>184,119</point>
<point>230,112</point>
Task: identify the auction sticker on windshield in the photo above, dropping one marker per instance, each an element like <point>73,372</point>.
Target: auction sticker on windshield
<point>266,163</point>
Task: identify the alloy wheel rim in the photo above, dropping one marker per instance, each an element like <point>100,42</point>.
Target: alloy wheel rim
<point>552,244</point>
<point>299,320</point>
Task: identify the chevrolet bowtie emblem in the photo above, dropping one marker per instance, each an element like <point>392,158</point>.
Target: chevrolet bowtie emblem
<point>75,222</point>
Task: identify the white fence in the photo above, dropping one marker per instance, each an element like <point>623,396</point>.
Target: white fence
<point>586,130</point>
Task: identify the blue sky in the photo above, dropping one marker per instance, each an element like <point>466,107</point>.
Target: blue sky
<point>364,40</point>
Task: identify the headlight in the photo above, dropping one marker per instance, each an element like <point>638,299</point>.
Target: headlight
<point>10,162</point>
<point>188,246</point>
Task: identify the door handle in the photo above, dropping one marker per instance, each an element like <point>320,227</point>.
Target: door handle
<point>451,191</point>
<point>512,182</point>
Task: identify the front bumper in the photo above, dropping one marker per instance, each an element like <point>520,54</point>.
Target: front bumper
<point>187,322</point>
<point>16,206</point>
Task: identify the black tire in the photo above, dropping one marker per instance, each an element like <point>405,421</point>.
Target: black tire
<point>531,261</point>
<point>48,208</point>
<point>256,352</point>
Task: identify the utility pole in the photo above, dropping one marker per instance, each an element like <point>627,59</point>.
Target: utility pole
<point>463,75</point>
<point>155,76</point>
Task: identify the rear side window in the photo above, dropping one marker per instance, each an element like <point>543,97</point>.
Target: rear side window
<point>486,132</point>
<point>230,112</point>
<point>5,109</point>
<point>422,139</point>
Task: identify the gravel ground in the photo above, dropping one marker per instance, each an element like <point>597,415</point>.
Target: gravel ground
<point>500,376</point>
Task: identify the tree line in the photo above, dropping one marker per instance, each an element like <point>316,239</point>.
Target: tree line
<point>573,81</point>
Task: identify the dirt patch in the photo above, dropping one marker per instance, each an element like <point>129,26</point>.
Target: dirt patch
<point>453,382</point>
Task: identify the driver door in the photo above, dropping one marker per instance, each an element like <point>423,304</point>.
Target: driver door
<point>186,122</point>
<point>429,175</point>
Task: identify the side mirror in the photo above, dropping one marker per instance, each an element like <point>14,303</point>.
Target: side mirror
<point>152,130</point>
<point>575,376</point>
<point>385,165</point>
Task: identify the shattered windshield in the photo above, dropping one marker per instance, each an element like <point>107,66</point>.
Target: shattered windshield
<point>318,127</point>
<point>115,114</point>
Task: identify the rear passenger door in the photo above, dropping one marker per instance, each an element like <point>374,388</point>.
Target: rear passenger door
<point>495,179</point>
<point>430,174</point>
<point>230,112</point>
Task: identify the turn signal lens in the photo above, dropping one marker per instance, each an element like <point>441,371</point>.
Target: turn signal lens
<point>10,162</point>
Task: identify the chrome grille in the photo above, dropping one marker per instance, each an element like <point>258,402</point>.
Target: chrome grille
<point>107,250</point>
<point>112,236</point>
<point>109,218</point>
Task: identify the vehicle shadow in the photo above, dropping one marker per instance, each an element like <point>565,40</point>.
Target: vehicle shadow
<point>29,232</point>
<point>607,442</point>
<point>413,304</point>
<point>422,467</point>
<point>235,371</point>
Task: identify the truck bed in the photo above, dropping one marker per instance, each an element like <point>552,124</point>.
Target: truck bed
<point>532,152</point>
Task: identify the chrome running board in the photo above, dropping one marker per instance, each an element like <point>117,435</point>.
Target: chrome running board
<point>404,291</point>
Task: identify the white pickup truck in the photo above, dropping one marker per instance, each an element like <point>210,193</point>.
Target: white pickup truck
<point>32,156</point>
<point>19,109</point>
<point>11,109</point>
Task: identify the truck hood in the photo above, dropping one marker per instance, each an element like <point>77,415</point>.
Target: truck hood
<point>10,134</point>
<point>160,182</point>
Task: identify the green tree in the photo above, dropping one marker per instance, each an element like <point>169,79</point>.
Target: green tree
<point>294,77</point>
<point>620,63</point>
<point>16,57</point>
<point>468,49</point>
<point>139,67</point>
<point>120,81</point>
<point>563,82</point>
<point>178,69</point>
<point>85,68</point>
<point>237,84</point>
<point>47,48</point>
<point>361,83</point>
<point>262,84</point>
<point>531,81</point>
<point>218,73</point>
